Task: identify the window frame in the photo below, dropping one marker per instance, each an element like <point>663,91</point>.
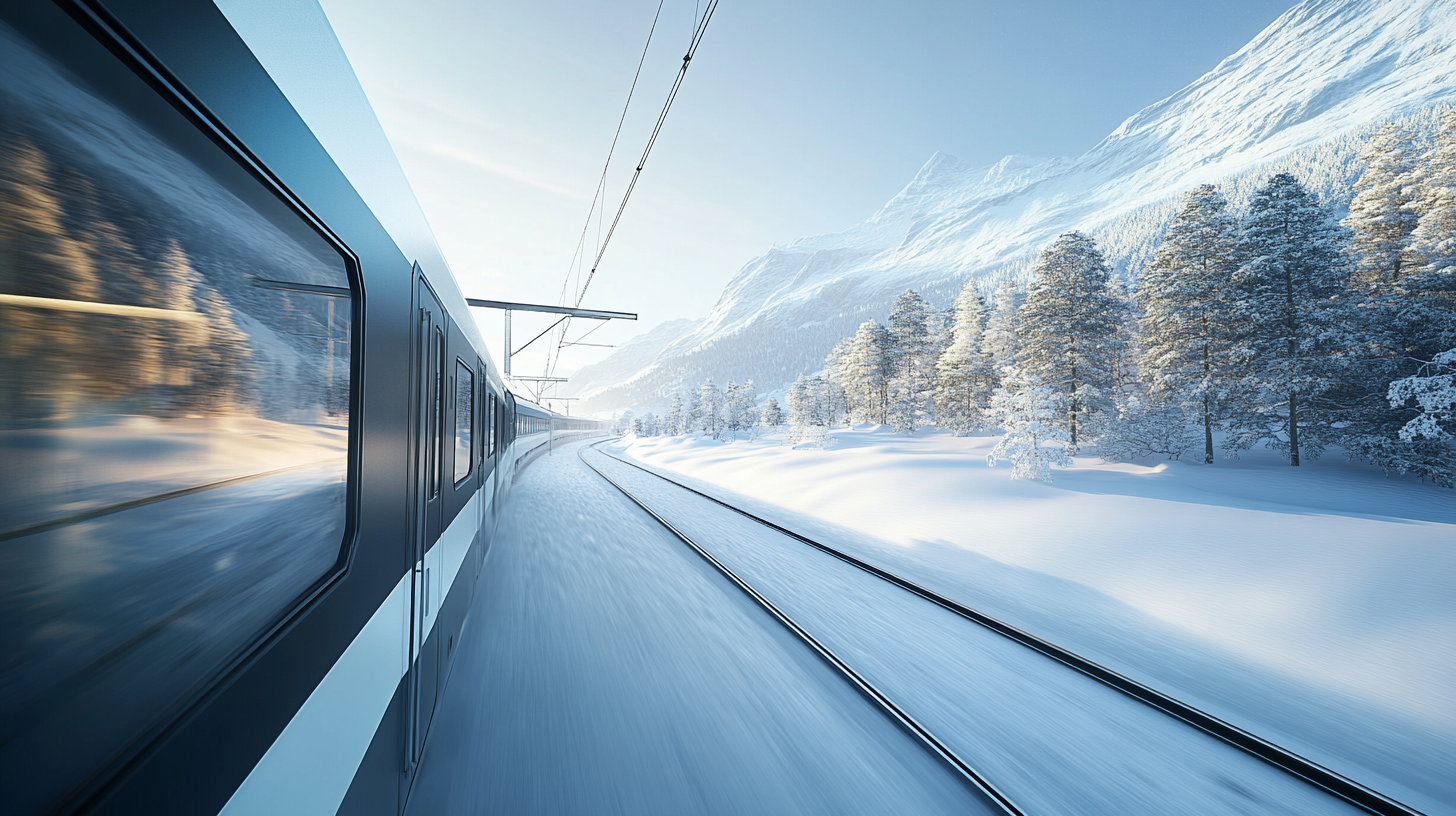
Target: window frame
<point>459,478</point>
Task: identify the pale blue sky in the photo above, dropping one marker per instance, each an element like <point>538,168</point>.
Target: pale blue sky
<point>796,119</point>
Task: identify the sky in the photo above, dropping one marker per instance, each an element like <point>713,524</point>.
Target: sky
<point>795,119</point>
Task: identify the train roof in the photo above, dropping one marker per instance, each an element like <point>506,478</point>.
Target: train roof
<point>296,45</point>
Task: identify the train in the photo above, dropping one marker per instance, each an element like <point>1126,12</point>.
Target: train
<point>252,446</point>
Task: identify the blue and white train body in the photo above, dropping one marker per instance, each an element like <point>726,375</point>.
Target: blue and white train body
<point>252,447</point>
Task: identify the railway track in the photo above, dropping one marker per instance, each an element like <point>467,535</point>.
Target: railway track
<point>997,800</point>
<point>1324,779</point>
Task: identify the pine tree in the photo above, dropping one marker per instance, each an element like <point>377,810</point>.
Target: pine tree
<point>738,409</point>
<point>1433,241</point>
<point>1001,339</point>
<point>864,372</point>
<point>1186,334</point>
<point>809,419</point>
<point>693,417</point>
<point>672,421</point>
<point>1067,327</point>
<point>1289,293</point>
<point>1381,219</point>
<point>1403,319</point>
<point>731,419</point>
<point>912,363</point>
<point>1027,410</point>
<point>1145,427</point>
<point>965,373</point>
<point>711,423</point>
<point>1407,309</point>
<point>1434,393</point>
<point>773,415</point>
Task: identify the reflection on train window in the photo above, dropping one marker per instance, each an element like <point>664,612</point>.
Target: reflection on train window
<point>437,414</point>
<point>174,417</point>
<point>490,432</point>
<point>464,418</point>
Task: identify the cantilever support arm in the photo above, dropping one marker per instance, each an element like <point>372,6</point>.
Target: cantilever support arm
<point>597,314</point>
<point>569,311</point>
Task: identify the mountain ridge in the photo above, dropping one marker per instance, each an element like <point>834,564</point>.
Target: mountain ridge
<point>1321,70</point>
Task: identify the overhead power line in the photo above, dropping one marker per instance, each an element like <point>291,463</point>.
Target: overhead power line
<point>697,39</point>
<point>602,182</point>
<point>651,141</point>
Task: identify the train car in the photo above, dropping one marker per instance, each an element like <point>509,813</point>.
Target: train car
<point>251,444</point>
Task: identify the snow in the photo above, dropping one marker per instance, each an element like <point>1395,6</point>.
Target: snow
<point>605,668</point>
<point>1321,71</point>
<point>1310,606</point>
<point>1050,739</point>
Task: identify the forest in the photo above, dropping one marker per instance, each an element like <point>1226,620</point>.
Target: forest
<point>1273,324</point>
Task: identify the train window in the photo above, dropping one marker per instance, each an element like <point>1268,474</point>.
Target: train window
<point>174,409</point>
<point>490,429</point>
<point>464,419</point>
<point>437,416</point>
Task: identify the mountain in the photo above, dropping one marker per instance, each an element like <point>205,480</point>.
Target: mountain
<point>633,356</point>
<point>1298,96</point>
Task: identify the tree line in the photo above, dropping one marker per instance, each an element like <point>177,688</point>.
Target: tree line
<point>1276,325</point>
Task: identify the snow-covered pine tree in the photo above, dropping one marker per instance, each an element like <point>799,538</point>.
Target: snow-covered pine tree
<point>864,373</point>
<point>1123,348</point>
<point>800,411</point>
<point>772,416</point>
<point>1381,217</point>
<point>748,408</point>
<point>1028,412</point>
<point>1433,241</point>
<point>1289,299</point>
<point>693,416</point>
<point>1406,314</point>
<point>1067,328</point>
<point>712,404</point>
<point>1145,427</point>
<point>912,363</point>
<point>1186,332</point>
<point>835,363</point>
<point>739,415</point>
<point>731,418</point>
<point>1434,393</point>
<point>965,373</point>
<point>808,417</point>
<point>904,415</point>
<point>624,423</point>
<point>1001,340</point>
<point>672,421</point>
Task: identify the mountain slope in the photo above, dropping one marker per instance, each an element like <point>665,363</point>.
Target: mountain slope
<point>1321,72</point>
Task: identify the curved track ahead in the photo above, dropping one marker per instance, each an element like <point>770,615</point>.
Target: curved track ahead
<point>977,782</point>
<point>1304,769</point>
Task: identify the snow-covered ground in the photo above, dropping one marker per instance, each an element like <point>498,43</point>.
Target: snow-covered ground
<point>605,668</point>
<point>1312,606</point>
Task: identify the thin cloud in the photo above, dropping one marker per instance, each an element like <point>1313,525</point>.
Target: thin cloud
<point>454,154</point>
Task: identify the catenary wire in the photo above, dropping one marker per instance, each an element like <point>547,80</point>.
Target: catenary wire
<point>697,40</point>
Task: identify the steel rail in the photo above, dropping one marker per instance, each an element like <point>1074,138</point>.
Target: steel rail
<point>979,785</point>
<point>1329,781</point>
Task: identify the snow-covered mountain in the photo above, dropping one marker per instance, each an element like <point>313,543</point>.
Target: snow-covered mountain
<point>633,356</point>
<point>1323,71</point>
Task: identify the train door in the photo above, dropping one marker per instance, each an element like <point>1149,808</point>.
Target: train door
<point>429,409</point>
